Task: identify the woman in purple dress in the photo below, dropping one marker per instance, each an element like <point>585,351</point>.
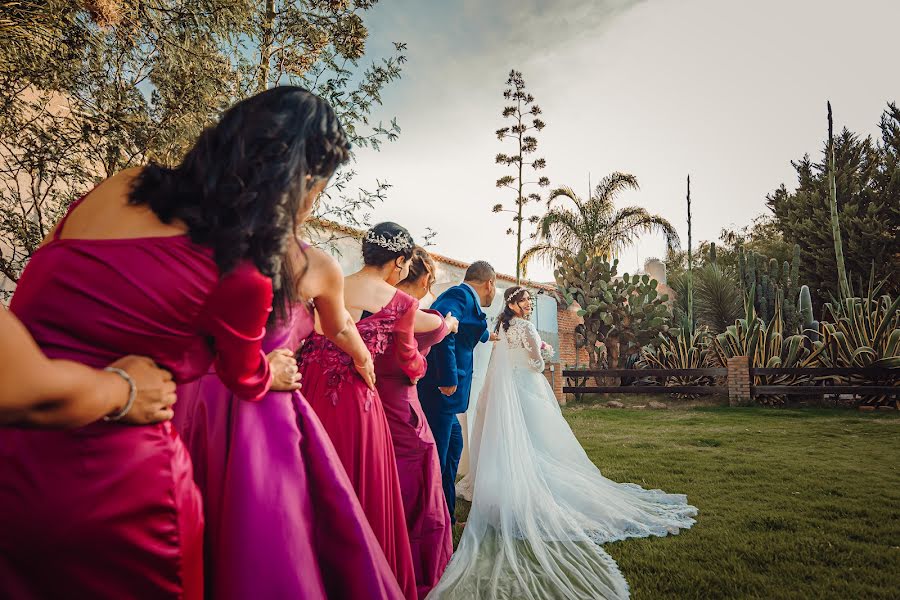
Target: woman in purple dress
<point>175,264</point>
<point>282,519</point>
<point>427,518</point>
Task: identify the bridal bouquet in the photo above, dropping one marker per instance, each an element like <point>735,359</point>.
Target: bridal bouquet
<point>547,352</point>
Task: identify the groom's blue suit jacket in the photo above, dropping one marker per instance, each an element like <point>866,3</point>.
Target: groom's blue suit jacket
<point>450,362</point>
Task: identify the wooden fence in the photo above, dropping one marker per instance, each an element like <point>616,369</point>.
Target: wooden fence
<point>771,381</point>
<point>580,377</point>
<point>818,381</point>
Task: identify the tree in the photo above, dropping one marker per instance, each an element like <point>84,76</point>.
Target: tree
<point>867,183</point>
<point>526,144</point>
<point>718,299</point>
<point>595,227</point>
<point>92,98</point>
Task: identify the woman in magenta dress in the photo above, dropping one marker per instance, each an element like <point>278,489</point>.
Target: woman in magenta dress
<point>282,520</point>
<point>38,392</point>
<point>350,410</point>
<point>158,262</point>
<point>427,518</point>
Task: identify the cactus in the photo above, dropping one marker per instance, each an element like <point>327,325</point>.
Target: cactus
<point>712,253</point>
<point>789,308</point>
<point>767,278</point>
<point>843,282</point>
<point>810,326</point>
<point>621,315</point>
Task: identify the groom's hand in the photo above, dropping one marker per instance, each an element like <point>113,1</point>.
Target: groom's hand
<point>448,391</point>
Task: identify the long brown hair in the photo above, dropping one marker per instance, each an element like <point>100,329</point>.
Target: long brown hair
<point>511,294</point>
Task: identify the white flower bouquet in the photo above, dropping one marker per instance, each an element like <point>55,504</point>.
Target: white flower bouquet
<point>547,352</point>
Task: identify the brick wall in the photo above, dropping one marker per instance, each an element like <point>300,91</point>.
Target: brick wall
<point>568,319</point>
<point>738,381</point>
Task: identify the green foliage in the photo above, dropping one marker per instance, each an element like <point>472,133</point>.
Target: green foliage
<point>520,113</point>
<point>680,348</point>
<point>761,236</point>
<point>867,184</point>
<point>595,227</point>
<point>809,326</point>
<point>621,314</point>
<point>843,282</point>
<point>763,281</point>
<point>768,346</point>
<point>864,331</point>
<point>86,93</point>
<point>718,300</point>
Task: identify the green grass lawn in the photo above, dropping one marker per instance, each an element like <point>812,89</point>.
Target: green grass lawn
<point>801,504</point>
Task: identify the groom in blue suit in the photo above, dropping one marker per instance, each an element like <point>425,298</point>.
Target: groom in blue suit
<point>444,390</point>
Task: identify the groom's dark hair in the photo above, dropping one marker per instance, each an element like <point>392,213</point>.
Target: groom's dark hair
<point>480,271</point>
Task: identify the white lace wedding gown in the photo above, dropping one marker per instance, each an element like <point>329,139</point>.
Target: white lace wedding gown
<point>540,508</point>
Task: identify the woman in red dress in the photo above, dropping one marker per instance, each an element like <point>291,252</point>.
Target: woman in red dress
<point>350,410</point>
<point>40,392</point>
<point>176,265</point>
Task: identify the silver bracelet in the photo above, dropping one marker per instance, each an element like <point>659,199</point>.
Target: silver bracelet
<point>132,394</point>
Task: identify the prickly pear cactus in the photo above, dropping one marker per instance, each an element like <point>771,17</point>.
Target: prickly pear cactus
<point>621,314</point>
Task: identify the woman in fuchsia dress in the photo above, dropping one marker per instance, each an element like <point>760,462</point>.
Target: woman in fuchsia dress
<point>418,466</point>
<point>176,265</point>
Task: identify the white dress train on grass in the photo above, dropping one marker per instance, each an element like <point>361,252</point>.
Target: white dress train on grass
<point>540,508</point>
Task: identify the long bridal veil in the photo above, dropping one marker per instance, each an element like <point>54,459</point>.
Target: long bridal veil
<point>540,508</point>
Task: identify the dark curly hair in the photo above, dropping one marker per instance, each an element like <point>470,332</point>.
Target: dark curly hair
<point>511,294</point>
<point>399,243</point>
<point>241,185</point>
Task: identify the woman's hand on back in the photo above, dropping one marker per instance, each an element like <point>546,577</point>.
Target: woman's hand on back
<point>155,391</point>
<point>451,322</point>
<point>366,370</point>
<point>285,373</point>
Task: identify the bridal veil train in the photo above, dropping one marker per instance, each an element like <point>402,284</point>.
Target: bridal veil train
<point>540,508</point>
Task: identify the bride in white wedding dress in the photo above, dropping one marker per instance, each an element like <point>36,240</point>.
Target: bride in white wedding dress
<point>540,508</point>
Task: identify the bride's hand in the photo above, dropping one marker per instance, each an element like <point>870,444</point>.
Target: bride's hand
<point>495,337</point>
<point>451,322</point>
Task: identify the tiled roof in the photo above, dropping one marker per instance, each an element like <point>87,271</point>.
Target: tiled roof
<point>358,233</point>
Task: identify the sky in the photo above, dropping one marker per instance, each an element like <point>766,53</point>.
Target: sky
<point>724,90</point>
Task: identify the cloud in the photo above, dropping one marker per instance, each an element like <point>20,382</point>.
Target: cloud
<point>727,92</point>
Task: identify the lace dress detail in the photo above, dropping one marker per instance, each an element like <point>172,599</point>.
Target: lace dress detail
<point>522,334</point>
<point>376,330</point>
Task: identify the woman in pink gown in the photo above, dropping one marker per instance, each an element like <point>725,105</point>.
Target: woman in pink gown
<point>427,518</point>
<point>158,262</point>
<point>352,412</point>
<point>282,520</point>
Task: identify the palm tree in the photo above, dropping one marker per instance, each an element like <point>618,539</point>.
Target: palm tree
<point>595,226</point>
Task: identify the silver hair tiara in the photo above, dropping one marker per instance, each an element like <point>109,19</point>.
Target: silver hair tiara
<point>516,294</point>
<point>396,243</point>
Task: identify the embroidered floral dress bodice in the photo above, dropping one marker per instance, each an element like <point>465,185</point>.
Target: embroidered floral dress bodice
<point>390,328</point>
<point>524,344</point>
